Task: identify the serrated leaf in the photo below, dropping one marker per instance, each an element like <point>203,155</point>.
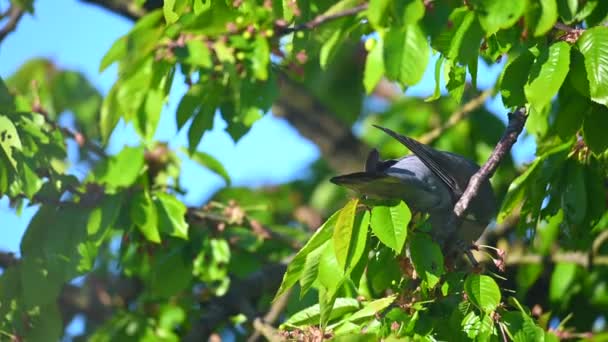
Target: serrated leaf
<point>496,15</point>
<point>374,67</point>
<point>310,271</point>
<point>297,266</point>
<point>427,259</point>
<point>389,224</point>
<point>144,215</point>
<point>171,215</point>
<point>350,235</point>
<point>482,291</point>
<point>208,161</point>
<point>593,44</point>
<point>406,54</point>
<point>547,75</point>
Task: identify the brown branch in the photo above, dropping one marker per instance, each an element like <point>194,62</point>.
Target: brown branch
<point>322,19</point>
<point>14,14</point>
<point>517,120</point>
<point>263,326</point>
<point>342,150</point>
<point>516,124</point>
<point>582,259</point>
<point>459,115</point>
<point>127,9</point>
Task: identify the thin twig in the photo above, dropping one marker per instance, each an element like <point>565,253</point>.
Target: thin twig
<point>14,15</point>
<point>459,115</point>
<point>324,18</point>
<point>271,316</point>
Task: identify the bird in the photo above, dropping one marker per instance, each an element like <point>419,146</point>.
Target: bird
<point>428,181</point>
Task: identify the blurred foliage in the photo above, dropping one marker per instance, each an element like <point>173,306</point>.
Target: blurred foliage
<point>155,269</point>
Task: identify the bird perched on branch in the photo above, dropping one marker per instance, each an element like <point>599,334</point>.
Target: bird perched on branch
<point>428,181</point>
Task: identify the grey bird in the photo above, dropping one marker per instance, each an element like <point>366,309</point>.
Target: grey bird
<point>429,181</point>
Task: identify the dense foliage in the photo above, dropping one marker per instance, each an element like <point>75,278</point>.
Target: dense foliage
<point>250,260</point>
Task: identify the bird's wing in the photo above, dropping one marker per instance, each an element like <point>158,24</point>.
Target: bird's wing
<point>429,157</point>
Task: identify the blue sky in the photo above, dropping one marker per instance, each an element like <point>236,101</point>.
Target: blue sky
<point>76,35</point>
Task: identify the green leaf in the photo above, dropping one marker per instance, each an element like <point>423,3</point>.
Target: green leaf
<point>376,12</point>
<point>372,308</point>
<point>209,162</point>
<point>331,274</point>
<point>171,215</point>
<point>297,266</point>
<point>168,10</point>
<point>547,232</point>
<point>389,224</point>
<point>427,259</point>
<point>110,114</point>
<point>9,138</point>
<point>148,114</point>
<point>350,235</point>
<point>311,315</point>
<point>122,169</point>
<point>544,17</point>
<point>593,44</point>
<point>567,10</point>
<point>374,66</point>
<point>513,79</point>
<point>7,102</point>
<point>465,38</point>
<point>496,15</point>
<point>437,91</point>
<point>311,269</point>
<point>171,274</point>
<point>189,105</point>
<point>144,215</point>
<point>260,58</point>
<point>563,276</point>
<point>574,193</point>
<point>457,78</point>
<point>103,216</point>
<point>547,74</point>
<point>594,126</point>
<point>482,291</point>
<point>117,51</point>
<point>406,54</point>
<point>196,54</point>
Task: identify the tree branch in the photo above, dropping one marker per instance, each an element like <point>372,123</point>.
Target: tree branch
<point>342,150</point>
<point>516,124</point>
<point>323,18</point>
<point>14,14</point>
<point>459,115</point>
